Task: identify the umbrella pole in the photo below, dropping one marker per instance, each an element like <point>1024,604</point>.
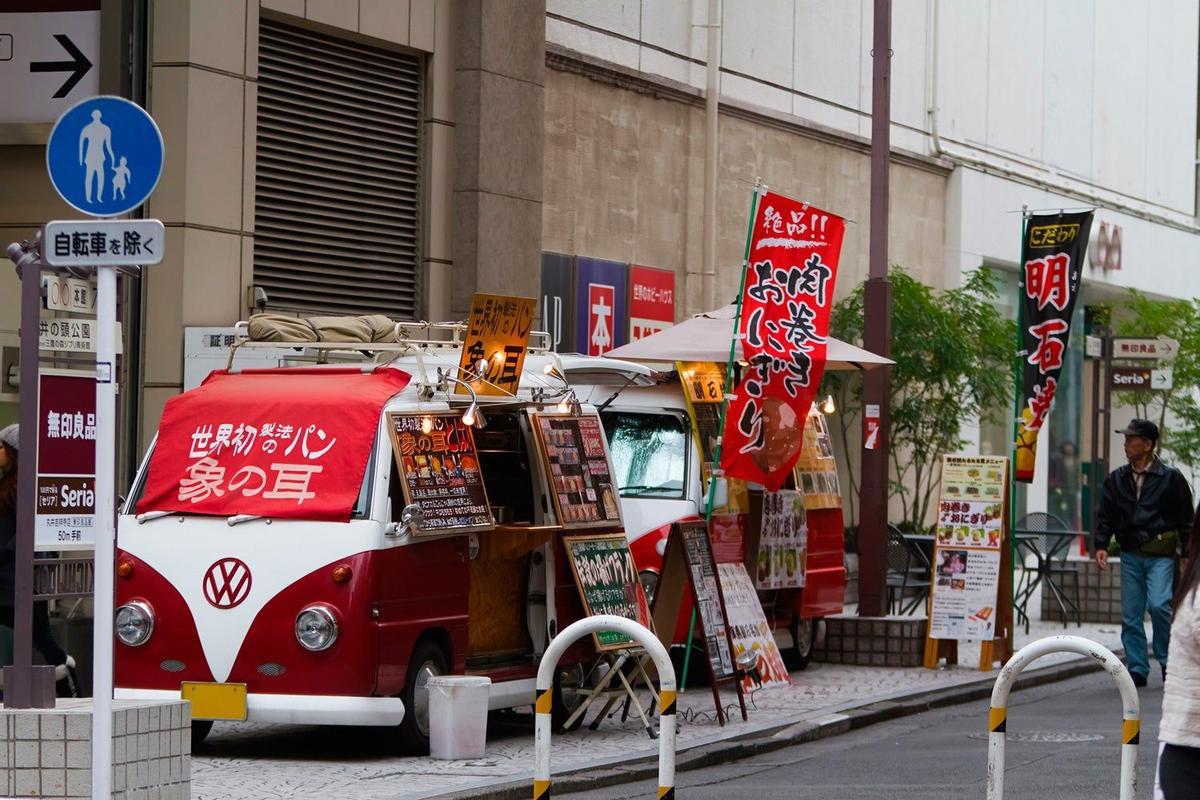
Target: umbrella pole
<point>759,191</point>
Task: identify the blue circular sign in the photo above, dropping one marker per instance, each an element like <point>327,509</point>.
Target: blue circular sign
<point>105,156</point>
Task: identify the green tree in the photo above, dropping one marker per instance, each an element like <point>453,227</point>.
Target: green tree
<point>954,357</point>
<point>1175,410</point>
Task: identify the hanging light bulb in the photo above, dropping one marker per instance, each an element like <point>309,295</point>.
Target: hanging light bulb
<point>471,414</point>
<point>564,405</point>
<point>426,424</point>
<point>828,407</point>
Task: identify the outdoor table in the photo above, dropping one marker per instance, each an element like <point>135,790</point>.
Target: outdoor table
<point>1046,547</point>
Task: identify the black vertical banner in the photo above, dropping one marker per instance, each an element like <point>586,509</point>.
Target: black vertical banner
<point>1052,255</point>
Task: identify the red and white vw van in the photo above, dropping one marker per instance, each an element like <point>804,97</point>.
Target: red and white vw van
<point>275,564</point>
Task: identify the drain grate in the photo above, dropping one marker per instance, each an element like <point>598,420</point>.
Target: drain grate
<point>1050,737</point>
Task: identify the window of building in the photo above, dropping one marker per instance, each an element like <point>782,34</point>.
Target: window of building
<point>338,180</point>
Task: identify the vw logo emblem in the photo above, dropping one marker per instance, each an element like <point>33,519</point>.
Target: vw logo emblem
<point>227,583</point>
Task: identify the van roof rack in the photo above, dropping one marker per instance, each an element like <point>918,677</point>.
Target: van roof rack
<point>409,338</point>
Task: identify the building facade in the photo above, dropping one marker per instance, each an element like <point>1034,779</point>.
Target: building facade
<point>395,156</point>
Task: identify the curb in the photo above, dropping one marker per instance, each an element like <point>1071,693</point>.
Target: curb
<point>787,734</point>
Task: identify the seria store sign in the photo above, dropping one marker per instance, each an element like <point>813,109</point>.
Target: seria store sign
<point>66,456</point>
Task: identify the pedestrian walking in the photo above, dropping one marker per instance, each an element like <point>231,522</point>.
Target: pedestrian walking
<point>43,637</point>
<point>1146,506</point>
<point>1179,728</point>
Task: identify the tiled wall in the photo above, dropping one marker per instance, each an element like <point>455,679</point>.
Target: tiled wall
<point>48,752</point>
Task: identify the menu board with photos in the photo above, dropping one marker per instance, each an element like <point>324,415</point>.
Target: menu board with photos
<point>440,471</point>
<point>608,583</point>
<point>783,541</point>
<point>703,572</point>
<point>968,537</point>
<point>748,626</point>
<point>703,384</point>
<point>816,472</point>
<point>581,480</point>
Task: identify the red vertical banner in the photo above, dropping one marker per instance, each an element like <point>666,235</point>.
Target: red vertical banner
<point>784,325</point>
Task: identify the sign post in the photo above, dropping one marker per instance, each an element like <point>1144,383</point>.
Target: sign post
<point>104,157</point>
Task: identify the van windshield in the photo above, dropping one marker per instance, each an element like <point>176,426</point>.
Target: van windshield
<point>649,453</point>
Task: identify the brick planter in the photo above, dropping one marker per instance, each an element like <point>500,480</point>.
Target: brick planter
<point>873,641</point>
<point>1099,593</point>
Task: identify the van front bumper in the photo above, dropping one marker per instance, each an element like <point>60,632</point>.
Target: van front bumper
<point>299,709</point>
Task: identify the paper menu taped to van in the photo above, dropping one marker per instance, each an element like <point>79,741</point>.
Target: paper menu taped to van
<point>439,470</point>
<point>580,475</point>
<point>280,443</point>
<point>608,583</point>
<point>748,627</point>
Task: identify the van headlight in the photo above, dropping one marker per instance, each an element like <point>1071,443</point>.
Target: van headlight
<point>316,628</point>
<point>134,623</point>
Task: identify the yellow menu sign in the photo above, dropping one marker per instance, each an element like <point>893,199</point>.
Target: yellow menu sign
<point>494,349</point>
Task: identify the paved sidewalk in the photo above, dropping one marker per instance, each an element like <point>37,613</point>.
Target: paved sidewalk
<point>245,762</point>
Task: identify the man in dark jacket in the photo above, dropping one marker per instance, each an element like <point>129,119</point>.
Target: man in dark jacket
<point>1147,507</point>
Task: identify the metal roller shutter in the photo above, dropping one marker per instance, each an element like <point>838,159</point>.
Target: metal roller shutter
<point>336,215</point>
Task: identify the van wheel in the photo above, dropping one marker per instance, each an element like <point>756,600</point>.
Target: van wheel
<point>200,731</point>
<point>428,661</point>
<point>566,698</point>
<point>804,635</point>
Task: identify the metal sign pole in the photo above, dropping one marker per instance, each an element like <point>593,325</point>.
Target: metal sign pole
<point>106,492</point>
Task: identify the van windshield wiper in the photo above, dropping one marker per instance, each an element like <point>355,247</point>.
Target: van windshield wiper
<point>149,515</point>
<point>646,489</point>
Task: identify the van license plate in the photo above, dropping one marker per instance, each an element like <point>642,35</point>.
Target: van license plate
<point>215,700</point>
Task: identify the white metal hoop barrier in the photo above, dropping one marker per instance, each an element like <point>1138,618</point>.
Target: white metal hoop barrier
<point>545,691</point>
<point>998,714</point>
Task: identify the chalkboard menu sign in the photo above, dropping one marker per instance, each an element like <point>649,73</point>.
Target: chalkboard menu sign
<point>702,568</point>
<point>439,470</point>
<point>608,583</point>
<point>585,494</point>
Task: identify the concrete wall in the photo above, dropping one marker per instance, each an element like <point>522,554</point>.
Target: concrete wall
<point>624,180</point>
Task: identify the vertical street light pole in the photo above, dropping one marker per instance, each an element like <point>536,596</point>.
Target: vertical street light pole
<point>877,313</point>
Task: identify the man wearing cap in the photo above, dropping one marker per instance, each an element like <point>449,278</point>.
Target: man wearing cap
<point>1146,506</point>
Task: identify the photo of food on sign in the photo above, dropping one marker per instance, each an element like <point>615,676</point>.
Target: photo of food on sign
<point>969,523</point>
<point>584,490</point>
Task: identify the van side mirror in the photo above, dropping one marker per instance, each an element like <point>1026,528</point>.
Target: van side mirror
<point>411,520</point>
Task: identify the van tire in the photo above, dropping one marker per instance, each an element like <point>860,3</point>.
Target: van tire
<point>200,731</point>
<point>804,636</point>
<point>561,708</point>
<point>428,659</point>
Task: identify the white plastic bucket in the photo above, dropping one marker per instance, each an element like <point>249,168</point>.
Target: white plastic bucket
<point>458,709</point>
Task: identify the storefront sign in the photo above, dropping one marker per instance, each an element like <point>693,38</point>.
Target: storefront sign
<point>66,455</point>
<point>495,345</point>
<point>558,301</point>
<point>748,627</point>
<point>1162,348</point>
<point>608,583</point>
<point>1052,255</point>
<point>286,444</point>
<point>871,426</point>
<point>794,250</point>
<point>783,542</point>
<point>970,535</point>
<point>1143,379</point>
<point>602,313</point>
<point>651,301</point>
<point>575,450</point>
<point>435,454</point>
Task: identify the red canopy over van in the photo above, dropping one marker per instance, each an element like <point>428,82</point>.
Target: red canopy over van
<point>282,443</point>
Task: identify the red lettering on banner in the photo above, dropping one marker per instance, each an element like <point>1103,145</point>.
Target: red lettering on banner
<point>1040,403</point>
<point>1048,355</point>
<point>1048,281</point>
